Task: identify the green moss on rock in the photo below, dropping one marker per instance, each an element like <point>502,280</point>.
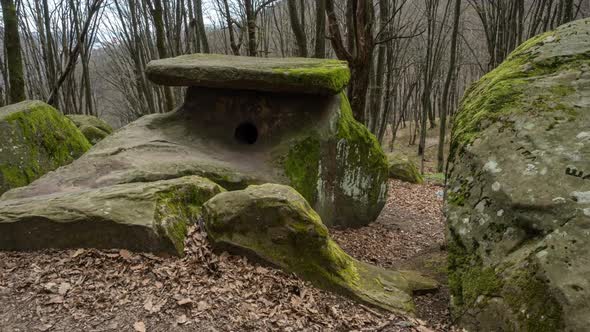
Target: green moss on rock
<point>532,302</point>
<point>506,90</point>
<point>302,167</point>
<point>402,168</point>
<point>35,139</point>
<point>346,166</point>
<point>331,74</point>
<point>93,128</point>
<point>274,223</point>
<point>93,134</point>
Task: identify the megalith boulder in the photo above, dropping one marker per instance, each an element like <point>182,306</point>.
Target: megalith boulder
<point>282,121</point>
<point>518,199</point>
<point>93,128</point>
<point>148,216</point>
<point>276,224</point>
<point>402,168</point>
<point>35,138</point>
<point>274,121</point>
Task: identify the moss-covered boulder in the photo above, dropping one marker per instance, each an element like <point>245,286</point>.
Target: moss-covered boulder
<point>35,138</point>
<point>276,224</point>
<point>402,168</point>
<point>242,137</point>
<point>93,128</point>
<point>149,216</point>
<point>291,75</point>
<point>518,197</point>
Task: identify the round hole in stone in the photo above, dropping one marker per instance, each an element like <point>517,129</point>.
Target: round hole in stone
<point>246,133</point>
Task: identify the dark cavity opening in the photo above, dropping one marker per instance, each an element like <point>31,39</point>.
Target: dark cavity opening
<point>246,133</point>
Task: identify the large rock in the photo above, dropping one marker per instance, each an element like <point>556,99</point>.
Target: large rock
<point>152,216</point>
<point>402,168</point>
<point>519,190</point>
<point>93,128</point>
<point>292,75</point>
<point>242,137</point>
<point>276,224</point>
<point>35,139</point>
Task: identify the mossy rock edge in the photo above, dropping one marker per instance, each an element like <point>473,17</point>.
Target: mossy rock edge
<point>518,194</point>
<point>276,224</point>
<point>152,216</point>
<point>35,139</point>
<point>402,168</point>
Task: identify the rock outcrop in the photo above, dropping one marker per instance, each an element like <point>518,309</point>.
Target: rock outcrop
<point>402,168</point>
<point>35,139</point>
<point>242,137</point>
<point>148,216</point>
<point>519,190</point>
<point>276,224</point>
<point>93,128</point>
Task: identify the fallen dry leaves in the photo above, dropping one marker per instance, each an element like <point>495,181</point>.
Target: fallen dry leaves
<point>117,290</point>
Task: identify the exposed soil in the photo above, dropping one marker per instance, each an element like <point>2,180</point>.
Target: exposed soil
<point>93,290</point>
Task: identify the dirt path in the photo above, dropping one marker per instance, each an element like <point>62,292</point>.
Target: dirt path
<point>92,290</point>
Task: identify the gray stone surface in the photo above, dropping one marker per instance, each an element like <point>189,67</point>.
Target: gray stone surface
<point>276,224</point>
<point>293,75</point>
<point>519,190</point>
<point>152,216</point>
<point>311,143</point>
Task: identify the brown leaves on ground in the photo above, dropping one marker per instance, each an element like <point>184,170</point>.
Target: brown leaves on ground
<point>117,290</point>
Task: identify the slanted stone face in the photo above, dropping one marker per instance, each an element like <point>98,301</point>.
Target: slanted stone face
<point>276,224</point>
<point>518,202</point>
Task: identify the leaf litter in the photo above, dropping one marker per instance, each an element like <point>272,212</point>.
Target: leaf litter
<point>118,290</point>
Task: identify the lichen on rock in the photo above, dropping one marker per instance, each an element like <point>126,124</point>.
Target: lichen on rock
<point>35,139</point>
<point>275,223</point>
<point>402,168</point>
<point>518,235</point>
<point>150,216</point>
<point>93,128</point>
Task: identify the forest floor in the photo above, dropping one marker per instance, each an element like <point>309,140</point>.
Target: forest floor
<point>117,290</point>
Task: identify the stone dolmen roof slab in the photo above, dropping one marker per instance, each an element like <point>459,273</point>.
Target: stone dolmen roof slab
<point>292,75</point>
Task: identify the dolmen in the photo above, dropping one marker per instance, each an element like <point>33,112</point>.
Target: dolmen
<point>518,200</point>
<point>264,154</point>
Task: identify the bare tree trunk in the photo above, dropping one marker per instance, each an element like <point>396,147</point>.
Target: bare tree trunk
<point>445,96</point>
<point>298,30</point>
<point>13,52</point>
<point>75,52</point>
<point>201,26</point>
<point>157,13</point>
<point>320,31</point>
<point>251,27</point>
<point>360,62</point>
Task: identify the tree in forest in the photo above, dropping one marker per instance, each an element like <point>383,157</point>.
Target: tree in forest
<point>12,46</point>
<point>359,53</point>
<point>298,29</point>
<point>320,29</point>
<point>447,87</point>
<point>508,23</point>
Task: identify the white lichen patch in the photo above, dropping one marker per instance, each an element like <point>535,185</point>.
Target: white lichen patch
<point>500,213</point>
<point>355,183</point>
<point>496,186</point>
<point>584,136</point>
<point>531,170</point>
<point>582,197</point>
<point>492,167</point>
<point>587,212</point>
